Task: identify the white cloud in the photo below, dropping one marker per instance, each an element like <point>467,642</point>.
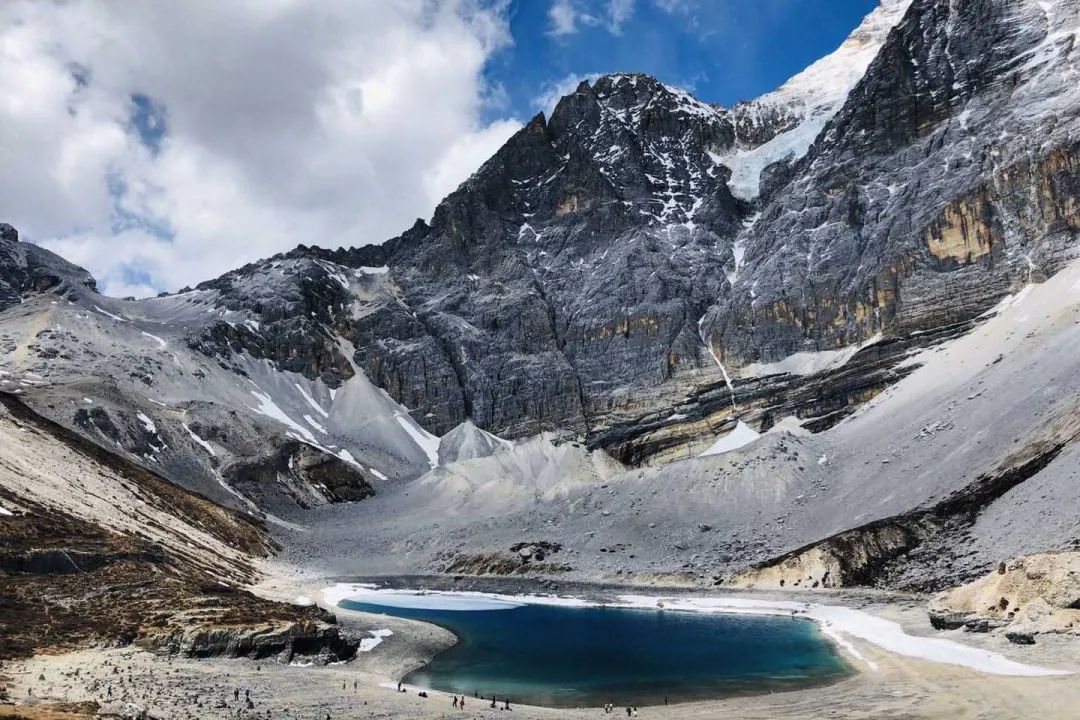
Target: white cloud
<point>673,6</point>
<point>619,11</point>
<point>563,17</point>
<point>333,123</point>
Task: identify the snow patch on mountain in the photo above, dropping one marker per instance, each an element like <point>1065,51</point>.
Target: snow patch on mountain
<point>746,165</point>
<point>427,442</point>
<point>805,103</point>
<point>199,441</point>
<point>741,436</point>
<point>806,363</point>
<point>160,341</point>
<point>270,409</point>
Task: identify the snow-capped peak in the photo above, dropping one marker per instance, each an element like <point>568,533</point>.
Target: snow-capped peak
<point>783,124</point>
<point>824,86</point>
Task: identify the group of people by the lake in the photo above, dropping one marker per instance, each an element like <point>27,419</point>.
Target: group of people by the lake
<point>459,702</point>
<point>630,711</point>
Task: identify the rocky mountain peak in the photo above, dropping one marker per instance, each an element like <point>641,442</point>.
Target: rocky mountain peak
<point>906,213</point>
<point>26,268</point>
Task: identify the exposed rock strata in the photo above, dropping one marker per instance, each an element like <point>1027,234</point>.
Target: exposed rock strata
<point>96,549</point>
<point>302,474</point>
<point>318,638</point>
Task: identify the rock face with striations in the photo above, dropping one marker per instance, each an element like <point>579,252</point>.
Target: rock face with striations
<point>948,179</point>
<point>571,267</point>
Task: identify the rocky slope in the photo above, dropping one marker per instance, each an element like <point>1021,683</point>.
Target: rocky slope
<point>967,461</point>
<point>169,383</point>
<point>95,549</point>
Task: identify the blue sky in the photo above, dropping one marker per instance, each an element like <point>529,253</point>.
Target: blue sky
<point>722,50</point>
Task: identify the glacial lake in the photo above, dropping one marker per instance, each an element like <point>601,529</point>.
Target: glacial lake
<point>558,656</point>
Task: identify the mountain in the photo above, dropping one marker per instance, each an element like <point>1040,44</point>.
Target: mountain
<point>861,266</point>
<point>163,382</point>
<point>945,182</point>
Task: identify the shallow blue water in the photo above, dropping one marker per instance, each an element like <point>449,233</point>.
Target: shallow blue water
<point>577,657</point>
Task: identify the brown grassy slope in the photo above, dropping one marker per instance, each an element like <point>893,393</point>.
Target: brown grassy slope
<point>68,579</point>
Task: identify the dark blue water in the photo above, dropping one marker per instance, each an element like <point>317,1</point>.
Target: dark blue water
<point>579,657</point>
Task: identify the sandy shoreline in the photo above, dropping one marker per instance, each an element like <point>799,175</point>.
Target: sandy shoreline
<point>888,685</point>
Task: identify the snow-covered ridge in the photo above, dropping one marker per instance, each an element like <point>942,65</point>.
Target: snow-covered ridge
<point>805,103</point>
<point>780,125</point>
<point>827,82</point>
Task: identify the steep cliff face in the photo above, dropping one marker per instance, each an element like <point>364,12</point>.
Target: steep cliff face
<point>947,180</point>
<point>573,265</point>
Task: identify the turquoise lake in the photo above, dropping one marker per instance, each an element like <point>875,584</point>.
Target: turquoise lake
<point>578,657</point>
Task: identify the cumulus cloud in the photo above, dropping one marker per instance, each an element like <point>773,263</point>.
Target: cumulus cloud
<point>161,143</point>
<point>563,17</point>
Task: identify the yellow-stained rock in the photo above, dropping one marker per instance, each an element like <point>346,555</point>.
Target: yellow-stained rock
<point>1026,596</point>
<point>963,233</point>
